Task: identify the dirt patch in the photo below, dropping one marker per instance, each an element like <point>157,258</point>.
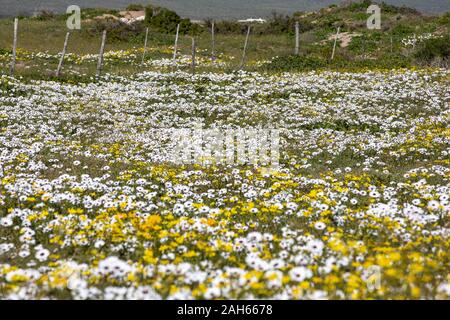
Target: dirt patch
<point>131,15</point>
<point>345,38</point>
<point>106,17</point>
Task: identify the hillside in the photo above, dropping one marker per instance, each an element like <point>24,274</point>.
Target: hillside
<point>407,38</point>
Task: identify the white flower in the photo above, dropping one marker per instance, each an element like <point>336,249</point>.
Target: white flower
<point>24,253</point>
<point>254,237</point>
<point>320,226</point>
<point>212,293</point>
<point>5,247</point>
<point>6,222</point>
<point>300,274</point>
<point>433,205</point>
<point>444,288</point>
<point>99,243</point>
<point>315,247</point>
<point>42,254</point>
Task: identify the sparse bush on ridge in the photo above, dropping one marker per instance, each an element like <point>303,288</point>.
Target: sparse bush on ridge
<point>117,30</point>
<point>165,21</point>
<point>434,51</point>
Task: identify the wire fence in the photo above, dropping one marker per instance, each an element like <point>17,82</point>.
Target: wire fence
<point>41,51</point>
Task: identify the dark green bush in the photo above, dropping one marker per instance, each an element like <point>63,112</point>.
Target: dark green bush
<point>227,27</point>
<point>45,15</point>
<point>276,24</point>
<point>366,43</point>
<point>432,49</point>
<point>279,24</point>
<point>117,30</point>
<point>359,6</point>
<point>392,9</point>
<point>402,30</point>
<point>165,21</point>
<point>444,19</point>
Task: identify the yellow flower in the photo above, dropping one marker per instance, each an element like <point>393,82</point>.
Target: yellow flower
<point>152,223</point>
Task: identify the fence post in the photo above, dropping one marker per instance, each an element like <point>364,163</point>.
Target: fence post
<point>176,47</point>
<point>245,48</point>
<point>193,55</point>
<point>61,60</point>
<point>145,46</point>
<point>297,38</point>
<point>335,42</point>
<point>213,39</point>
<point>100,57</point>
<point>14,52</point>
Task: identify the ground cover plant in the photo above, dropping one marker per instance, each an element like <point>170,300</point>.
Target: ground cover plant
<point>92,207</point>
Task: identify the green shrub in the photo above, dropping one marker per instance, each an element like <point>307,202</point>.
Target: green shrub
<point>432,49</point>
<point>227,27</point>
<point>279,24</point>
<point>359,6</point>
<point>402,30</point>
<point>165,21</point>
<point>45,15</point>
<point>444,19</point>
<point>363,44</point>
<point>117,30</point>
<point>276,24</point>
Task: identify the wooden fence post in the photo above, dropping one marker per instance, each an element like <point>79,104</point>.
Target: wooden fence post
<point>176,47</point>
<point>335,42</point>
<point>213,39</point>
<point>194,48</point>
<point>145,46</point>
<point>14,52</point>
<point>100,56</point>
<point>61,60</point>
<point>297,38</point>
<point>245,48</point>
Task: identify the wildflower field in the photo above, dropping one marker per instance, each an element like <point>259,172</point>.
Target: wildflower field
<point>91,206</point>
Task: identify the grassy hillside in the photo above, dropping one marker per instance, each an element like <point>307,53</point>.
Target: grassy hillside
<point>270,48</point>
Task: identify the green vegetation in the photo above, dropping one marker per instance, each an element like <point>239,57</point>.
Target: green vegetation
<point>407,38</point>
<point>308,63</point>
<point>165,21</point>
<point>434,50</point>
